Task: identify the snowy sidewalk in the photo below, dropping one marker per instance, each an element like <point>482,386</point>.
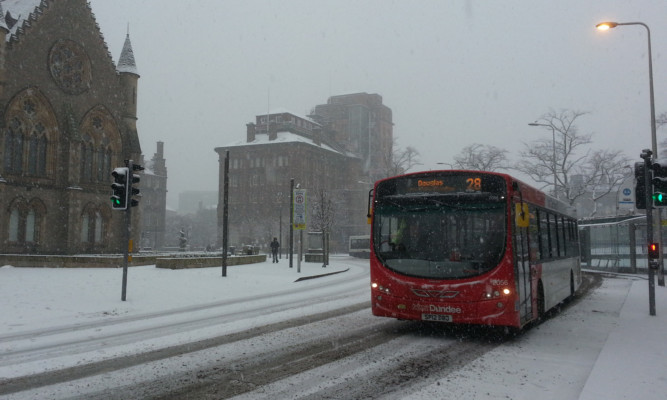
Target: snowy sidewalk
<point>633,362</point>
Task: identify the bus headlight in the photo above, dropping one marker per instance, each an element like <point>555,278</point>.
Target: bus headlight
<point>381,288</point>
<point>494,294</point>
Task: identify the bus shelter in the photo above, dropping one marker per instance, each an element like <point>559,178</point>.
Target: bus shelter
<point>614,244</point>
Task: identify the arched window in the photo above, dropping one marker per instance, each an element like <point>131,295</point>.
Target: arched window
<point>9,149</point>
<point>32,154</point>
<point>85,225</point>
<point>101,138</point>
<point>98,227</point>
<point>100,164</point>
<point>86,159</point>
<point>107,161</point>
<point>14,147</point>
<point>42,147</point>
<point>30,227</point>
<point>14,225</point>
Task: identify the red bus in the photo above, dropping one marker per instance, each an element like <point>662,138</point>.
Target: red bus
<point>470,247</point>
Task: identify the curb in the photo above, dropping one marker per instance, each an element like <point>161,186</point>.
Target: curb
<point>305,278</point>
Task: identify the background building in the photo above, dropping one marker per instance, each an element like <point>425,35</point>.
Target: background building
<point>334,154</point>
<point>189,202</point>
<point>68,118</point>
<point>154,201</point>
<point>363,126</point>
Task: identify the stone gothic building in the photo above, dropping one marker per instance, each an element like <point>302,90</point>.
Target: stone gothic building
<point>67,118</point>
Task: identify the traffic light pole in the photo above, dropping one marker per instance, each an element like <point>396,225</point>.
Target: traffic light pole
<point>127,235</point>
<point>646,156</point>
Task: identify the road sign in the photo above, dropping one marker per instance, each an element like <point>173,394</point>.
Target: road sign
<point>299,208</point>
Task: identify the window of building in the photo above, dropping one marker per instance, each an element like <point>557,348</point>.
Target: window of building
<point>98,228</point>
<point>30,227</point>
<point>14,147</point>
<point>14,225</point>
<point>87,159</point>
<point>85,225</point>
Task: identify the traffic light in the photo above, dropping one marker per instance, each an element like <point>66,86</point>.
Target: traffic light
<point>659,182</point>
<point>135,179</point>
<point>640,186</point>
<point>119,186</point>
<point>653,251</point>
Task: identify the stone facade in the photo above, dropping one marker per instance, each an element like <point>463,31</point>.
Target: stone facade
<point>153,201</point>
<point>68,117</point>
<point>326,153</point>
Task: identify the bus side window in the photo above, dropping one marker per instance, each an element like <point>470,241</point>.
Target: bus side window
<point>533,236</point>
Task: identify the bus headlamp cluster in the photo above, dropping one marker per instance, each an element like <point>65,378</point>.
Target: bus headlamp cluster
<point>488,295</point>
<point>381,288</point>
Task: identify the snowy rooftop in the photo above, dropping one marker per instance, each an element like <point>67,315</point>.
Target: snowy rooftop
<point>126,62</point>
<point>281,110</point>
<point>19,10</point>
<point>282,137</point>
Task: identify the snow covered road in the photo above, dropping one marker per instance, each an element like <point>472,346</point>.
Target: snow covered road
<point>308,340</point>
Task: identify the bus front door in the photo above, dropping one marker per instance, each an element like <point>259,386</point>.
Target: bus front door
<point>522,273</point>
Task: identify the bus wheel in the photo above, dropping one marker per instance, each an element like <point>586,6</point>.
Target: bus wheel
<point>571,284</point>
<point>540,301</point>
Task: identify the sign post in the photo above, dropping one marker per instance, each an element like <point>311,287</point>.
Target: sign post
<point>299,223</point>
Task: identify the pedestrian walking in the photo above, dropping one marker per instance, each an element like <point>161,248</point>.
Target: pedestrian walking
<point>274,249</point>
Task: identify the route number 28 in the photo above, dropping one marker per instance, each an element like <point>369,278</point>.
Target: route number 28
<point>474,184</point>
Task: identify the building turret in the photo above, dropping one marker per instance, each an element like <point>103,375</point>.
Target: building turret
<point>129,75</point>
<point>129,81</point>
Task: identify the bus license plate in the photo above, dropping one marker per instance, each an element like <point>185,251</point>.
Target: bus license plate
<point>437,317</point>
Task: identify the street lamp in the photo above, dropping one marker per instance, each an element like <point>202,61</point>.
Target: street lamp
<point>553,146</point>
<point>603,26</point>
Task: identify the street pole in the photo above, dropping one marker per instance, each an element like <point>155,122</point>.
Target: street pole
<point>657,220</point>
<point>646,156</point>
<point>225,214</point>
<point>291,221</point>
<point>127,235</point>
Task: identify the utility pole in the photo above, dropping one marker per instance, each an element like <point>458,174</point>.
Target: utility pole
<point>652,264</point>
<point>225,214</point>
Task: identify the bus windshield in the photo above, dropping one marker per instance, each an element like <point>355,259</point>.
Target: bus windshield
<point>440,236</point>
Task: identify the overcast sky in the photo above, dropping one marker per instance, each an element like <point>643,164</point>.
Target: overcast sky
<point>453,72</point>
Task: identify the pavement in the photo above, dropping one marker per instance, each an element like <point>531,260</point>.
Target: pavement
<point>633,361</point>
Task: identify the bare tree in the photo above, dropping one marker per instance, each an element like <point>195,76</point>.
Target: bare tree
<point>603,172</point>
<point>323,211</point>
<point>565,162</point>
<point>481,157</point>
<point>554,160</point>
<point>400,160</point>
<point>661,120</point>
<point>324,215</point>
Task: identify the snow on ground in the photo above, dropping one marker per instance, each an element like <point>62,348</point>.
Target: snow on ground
<point>630,364</point>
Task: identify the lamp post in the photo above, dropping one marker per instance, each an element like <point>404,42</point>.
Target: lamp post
<point>603,26</point>
<point>553,146</point>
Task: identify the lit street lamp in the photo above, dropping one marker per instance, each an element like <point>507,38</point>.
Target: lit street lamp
<point>553,146</point>
<point>603,26</point>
